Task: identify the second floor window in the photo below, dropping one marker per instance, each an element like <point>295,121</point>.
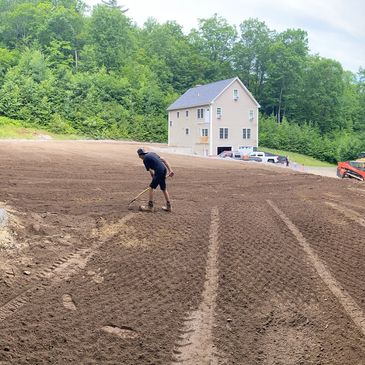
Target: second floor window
<point>251,115</point>
<point>178,114</point>
<point>200,113</point>
<point>187,131</point>
<point>219,113</point>
<point>235,94</point>
<point>223,133</point>
<point>246,133</point>
<point>205,132</point>
<point>186,113</point>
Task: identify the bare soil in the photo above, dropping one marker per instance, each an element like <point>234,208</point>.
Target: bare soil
<point>255,265</point>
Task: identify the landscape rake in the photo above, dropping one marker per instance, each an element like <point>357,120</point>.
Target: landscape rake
<point>135,198</point>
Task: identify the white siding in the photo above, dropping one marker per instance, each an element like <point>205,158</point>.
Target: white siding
<point>235,115</point>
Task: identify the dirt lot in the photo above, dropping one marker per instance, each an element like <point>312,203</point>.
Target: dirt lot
<point>256,264</point>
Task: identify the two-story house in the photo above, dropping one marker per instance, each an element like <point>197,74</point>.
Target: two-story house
<point>213,118</point>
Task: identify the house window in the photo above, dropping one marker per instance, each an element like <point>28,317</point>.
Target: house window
<point>205,132</point>
<point>200,113</point>
<point>170,123</point>
<point>246,133</point>
<point>235,94</point>
<point>219,113</point>
<point>178,114</point>
<point>223,133</point>
<point>251,115</point>
<point>186,113</point>
<point>187,131</point>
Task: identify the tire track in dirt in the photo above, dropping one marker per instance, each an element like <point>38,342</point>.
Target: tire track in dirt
<point>62,269</point>
<point>357,190</point>
<point>195,343</point>
<point>350,306</point>
<point>335,198</point>
<point>349,213</point>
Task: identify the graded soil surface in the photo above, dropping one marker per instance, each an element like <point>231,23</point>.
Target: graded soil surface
<point>255,265</point>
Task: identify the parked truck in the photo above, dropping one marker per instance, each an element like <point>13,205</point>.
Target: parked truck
<point>265,157</point>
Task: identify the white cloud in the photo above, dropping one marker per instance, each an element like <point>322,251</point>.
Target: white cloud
<point>335,28</point>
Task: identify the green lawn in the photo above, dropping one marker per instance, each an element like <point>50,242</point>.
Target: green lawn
<point>298,158</point>
<point>15,131</point>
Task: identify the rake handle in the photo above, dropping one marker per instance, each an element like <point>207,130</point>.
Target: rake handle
<point>142,192</point>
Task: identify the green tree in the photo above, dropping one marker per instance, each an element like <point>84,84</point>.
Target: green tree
<point>109,32</point>
<point>8,59</point>
<point>350,103</point>
<point>359,123</point>
<point>214,39</point>
<point>114,4</point>
<point>322,95</point>
<point>27,88</point>
<point>41,22</point>
<point>168,53</point>
<point>287,59</point>
<point>22,22</point>
<point>251,54</point>
<point>62,24</point>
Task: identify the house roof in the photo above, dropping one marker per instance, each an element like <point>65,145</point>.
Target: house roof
<point>205,94</point>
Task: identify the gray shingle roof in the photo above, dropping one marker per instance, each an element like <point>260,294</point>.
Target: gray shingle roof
<point>200,95</point>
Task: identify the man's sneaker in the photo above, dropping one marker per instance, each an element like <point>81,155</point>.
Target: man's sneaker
<point>167,207</point>
<point>147,208</point>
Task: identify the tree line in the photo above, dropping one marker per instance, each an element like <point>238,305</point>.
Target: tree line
<point>72,70</point>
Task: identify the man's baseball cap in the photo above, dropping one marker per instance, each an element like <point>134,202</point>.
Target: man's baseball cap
<point>141,151</point>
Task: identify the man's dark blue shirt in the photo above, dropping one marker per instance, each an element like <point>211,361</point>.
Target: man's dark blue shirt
<point>152,161</point>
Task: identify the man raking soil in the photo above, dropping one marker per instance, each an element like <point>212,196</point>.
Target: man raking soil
<point>159,169</point>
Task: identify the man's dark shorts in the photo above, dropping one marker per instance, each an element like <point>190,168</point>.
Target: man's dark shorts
<point>159,179</point>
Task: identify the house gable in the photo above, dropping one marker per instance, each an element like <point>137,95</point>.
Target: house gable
<point>206,94</point>
<point>244,89</point>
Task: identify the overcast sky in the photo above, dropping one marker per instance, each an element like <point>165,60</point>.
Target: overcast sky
<point>336,28</point>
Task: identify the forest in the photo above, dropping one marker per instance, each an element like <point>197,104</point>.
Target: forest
<point>70,69</point>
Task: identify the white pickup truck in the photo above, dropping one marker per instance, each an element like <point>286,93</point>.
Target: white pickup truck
<point>265,157</point>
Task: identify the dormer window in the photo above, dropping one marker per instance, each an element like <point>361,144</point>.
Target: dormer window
<point>235,94</point>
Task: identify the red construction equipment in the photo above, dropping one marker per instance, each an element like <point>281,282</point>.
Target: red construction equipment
<point>351,169</point>
<point>361,157</point>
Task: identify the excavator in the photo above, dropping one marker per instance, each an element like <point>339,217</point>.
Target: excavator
<point>352,169</point>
